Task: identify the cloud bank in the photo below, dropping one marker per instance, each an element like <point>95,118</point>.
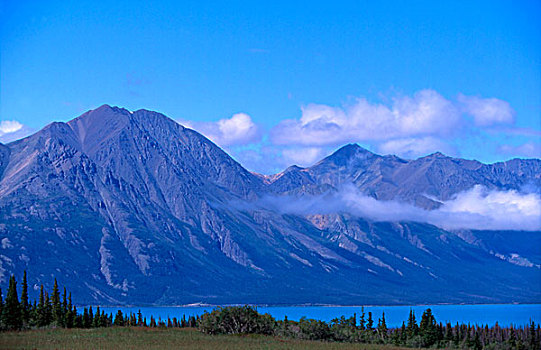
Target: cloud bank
<point>426,113</point>
<point>477,208</point>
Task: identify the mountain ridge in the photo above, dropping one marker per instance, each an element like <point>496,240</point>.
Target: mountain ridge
<point>131,207</point>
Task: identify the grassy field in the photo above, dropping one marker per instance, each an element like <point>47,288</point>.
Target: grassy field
<point>153,338</point>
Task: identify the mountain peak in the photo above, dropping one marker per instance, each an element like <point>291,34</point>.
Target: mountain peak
<point>100,123</point>
<point>352,149</point>
<point>346,154</point>
<point>435,155</point>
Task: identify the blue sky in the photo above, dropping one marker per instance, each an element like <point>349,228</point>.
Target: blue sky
<point>286,83</point>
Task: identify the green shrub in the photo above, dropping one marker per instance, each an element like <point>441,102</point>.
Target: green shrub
<point>236,320</point>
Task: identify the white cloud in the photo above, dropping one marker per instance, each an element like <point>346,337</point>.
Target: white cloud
<point>302,156</point>
<point>415,147</point>
<point>9,126</point>
<point>234,131</point>
<point>426,113</point>
<point>481,208</point>
<point>487,111</point>
<point>477,208</point>
<point>11,130</point>
<point>528,149</point>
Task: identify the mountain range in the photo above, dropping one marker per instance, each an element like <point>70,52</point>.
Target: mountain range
<point>133,208</point>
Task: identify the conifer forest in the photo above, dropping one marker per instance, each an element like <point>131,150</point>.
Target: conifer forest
<point>56,309</point>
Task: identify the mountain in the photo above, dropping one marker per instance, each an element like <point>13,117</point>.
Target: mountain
<point>425,182</point>
<point>131,207</point>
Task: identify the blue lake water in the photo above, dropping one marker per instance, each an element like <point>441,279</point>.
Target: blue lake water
<point>505,315</point>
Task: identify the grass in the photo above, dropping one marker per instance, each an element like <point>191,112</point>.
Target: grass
<point>154,338</point>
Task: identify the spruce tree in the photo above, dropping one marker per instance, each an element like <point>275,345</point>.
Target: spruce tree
<point>1,308</point>
<point>512,340</point>
<point>370,323</point>
<point>362,321</point>
<point>77,319</point>
<point>96,322</point>
<point>90,316</point>
<point>56,306</point>
<point>139,318</point>
<point>477,342</point>
<point>41,311</point>
<point>70,314</point>
<point>11,312</point>
<point>119,319</point>
<point>533,342</point>
<point>48,310</point>
<point>86,319</point>
<point>403,334</point>
<point>25,306</point>
<point>382,327</point>
<point>412,325</point>
<point>428,328</point>
<point>64,309</point>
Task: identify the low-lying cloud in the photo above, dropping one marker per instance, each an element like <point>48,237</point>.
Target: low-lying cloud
<point>477,208</point>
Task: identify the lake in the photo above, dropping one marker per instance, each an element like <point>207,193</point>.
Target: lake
<point>504,314</point>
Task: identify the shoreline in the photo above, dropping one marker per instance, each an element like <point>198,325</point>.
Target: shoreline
<point>197,305</point>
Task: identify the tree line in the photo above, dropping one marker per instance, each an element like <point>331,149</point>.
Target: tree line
<point>427,333</point>
<point>56,309</point>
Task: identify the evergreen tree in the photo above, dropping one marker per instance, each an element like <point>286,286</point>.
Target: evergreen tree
<point>477,342</point>
<point>78,319</point>
<point>403,334</point>
<point>468,341</point>
<point>428,328</point>
<point>362,321</point>
<point>86,321</point>
<point>56,306</point>
<point>370,323</point>
<point>412,327</point>
<point>70,314</point>
<point>64,309</point>
<point>11,312</point>
<point>104,319</point>
<point>382,327</point>
<point>119,319</point>
<point>139,318</point>
<point>1,308</point>
<point>33,314</point>
<point>48,310</point>
<point>96,322</point>
<point>448,332</point>
<point>512,340</point>
<point>25,306</point>
<point>40,312</point>
<point>90,316</point>
<point>533,342</point>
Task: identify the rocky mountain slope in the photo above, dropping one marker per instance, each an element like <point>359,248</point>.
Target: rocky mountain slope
<point>131,207</point>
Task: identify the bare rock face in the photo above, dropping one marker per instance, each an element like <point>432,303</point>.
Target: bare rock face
<point>131,207</point>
